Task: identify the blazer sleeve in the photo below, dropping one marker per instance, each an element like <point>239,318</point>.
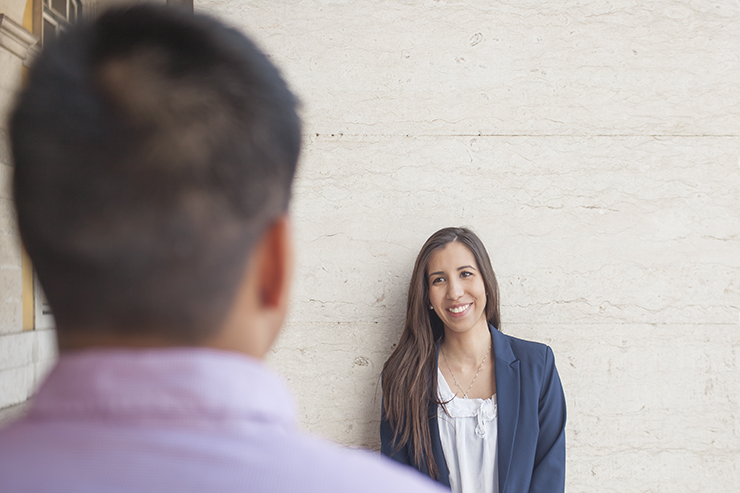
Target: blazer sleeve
<point>387,444</point>
<point>549,463</point>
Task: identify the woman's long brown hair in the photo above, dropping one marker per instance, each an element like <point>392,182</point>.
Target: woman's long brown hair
<point>409,377</point>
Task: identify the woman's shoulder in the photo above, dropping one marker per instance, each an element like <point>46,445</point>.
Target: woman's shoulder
<point>525,345</point>
<point>530,353</point>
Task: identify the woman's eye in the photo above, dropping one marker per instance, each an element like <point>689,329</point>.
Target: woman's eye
<point>438,280</point>
<point>466,274</point>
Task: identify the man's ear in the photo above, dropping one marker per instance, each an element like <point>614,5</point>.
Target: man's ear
<point>274,265</point>
<point>261,301</point>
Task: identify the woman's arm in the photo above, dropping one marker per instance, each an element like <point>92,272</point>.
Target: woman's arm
<point>387,444</point>
<point>549,462</point>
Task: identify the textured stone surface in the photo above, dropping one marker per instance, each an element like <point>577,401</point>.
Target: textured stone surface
<point>457,67</point>
<point>17,350</point>
<point>333,369</point>
<point>623,229</point>
<point>4,160</point>
<point>25,358</point>
<point>13,9</point>
<point>9,414</point>
<point>15,385</point>
<point>10,77</point>
<point>10,263</point>
<point>653,407</point>
<point>10,257</point>
<point>593,145</point>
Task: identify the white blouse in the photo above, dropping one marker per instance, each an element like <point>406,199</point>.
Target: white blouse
<point>469,436</point>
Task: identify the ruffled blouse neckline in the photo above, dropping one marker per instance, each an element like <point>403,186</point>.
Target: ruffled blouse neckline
<point>485,410</point>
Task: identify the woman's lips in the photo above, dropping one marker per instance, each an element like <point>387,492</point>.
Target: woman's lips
<point>459,310</point>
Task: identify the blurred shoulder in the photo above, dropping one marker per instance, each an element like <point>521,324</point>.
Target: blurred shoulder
<point>361,470</point>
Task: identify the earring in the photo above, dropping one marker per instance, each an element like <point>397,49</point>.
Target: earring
<point>431,307</point>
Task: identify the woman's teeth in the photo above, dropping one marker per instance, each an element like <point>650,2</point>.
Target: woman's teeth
<point>459,309</point>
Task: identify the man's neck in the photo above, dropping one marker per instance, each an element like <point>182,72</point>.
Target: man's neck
<point>77,340</point>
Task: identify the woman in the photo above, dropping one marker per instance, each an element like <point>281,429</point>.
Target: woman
<point>473,408</point>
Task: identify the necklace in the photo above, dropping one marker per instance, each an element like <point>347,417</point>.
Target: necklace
<point>465,392</point>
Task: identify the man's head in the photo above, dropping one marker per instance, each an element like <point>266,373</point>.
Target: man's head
<point>154,154</point>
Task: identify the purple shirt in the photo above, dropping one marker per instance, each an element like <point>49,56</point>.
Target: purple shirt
<point>180,420</point>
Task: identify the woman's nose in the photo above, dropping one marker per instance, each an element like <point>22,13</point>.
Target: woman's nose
<point>454,290</point>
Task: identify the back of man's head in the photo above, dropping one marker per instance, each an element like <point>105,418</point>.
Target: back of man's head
<point>152,149</point>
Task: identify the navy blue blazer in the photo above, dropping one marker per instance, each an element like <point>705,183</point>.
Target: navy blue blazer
<point>531,421</point>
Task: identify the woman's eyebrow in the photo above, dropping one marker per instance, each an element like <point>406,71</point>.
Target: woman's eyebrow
<point>439,272</point>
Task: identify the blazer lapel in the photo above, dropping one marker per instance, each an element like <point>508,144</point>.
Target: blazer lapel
<point>507,390</point>
<point>437,452</point>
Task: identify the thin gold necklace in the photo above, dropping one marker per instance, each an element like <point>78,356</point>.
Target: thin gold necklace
<point>465,392</point>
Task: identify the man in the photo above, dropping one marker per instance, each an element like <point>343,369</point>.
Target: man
<point>154,154</point>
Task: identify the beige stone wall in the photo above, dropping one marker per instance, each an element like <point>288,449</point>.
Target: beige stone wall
<point>594,146</point>
<point>24,356</point>
<point>13,8</point>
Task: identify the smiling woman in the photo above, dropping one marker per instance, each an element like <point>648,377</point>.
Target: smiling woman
<point>462,402</point>
<point>456,290</point>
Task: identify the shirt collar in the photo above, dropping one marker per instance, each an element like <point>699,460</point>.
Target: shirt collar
<point>163,384</point>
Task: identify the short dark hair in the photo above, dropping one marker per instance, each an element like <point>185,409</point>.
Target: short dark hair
<point>152,148</point>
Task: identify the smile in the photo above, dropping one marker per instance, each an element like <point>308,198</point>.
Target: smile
<point>459,309</point>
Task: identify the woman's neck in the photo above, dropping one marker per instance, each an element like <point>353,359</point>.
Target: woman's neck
<point>467,348</point>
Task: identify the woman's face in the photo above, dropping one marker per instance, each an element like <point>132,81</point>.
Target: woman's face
<point>456,289</point>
